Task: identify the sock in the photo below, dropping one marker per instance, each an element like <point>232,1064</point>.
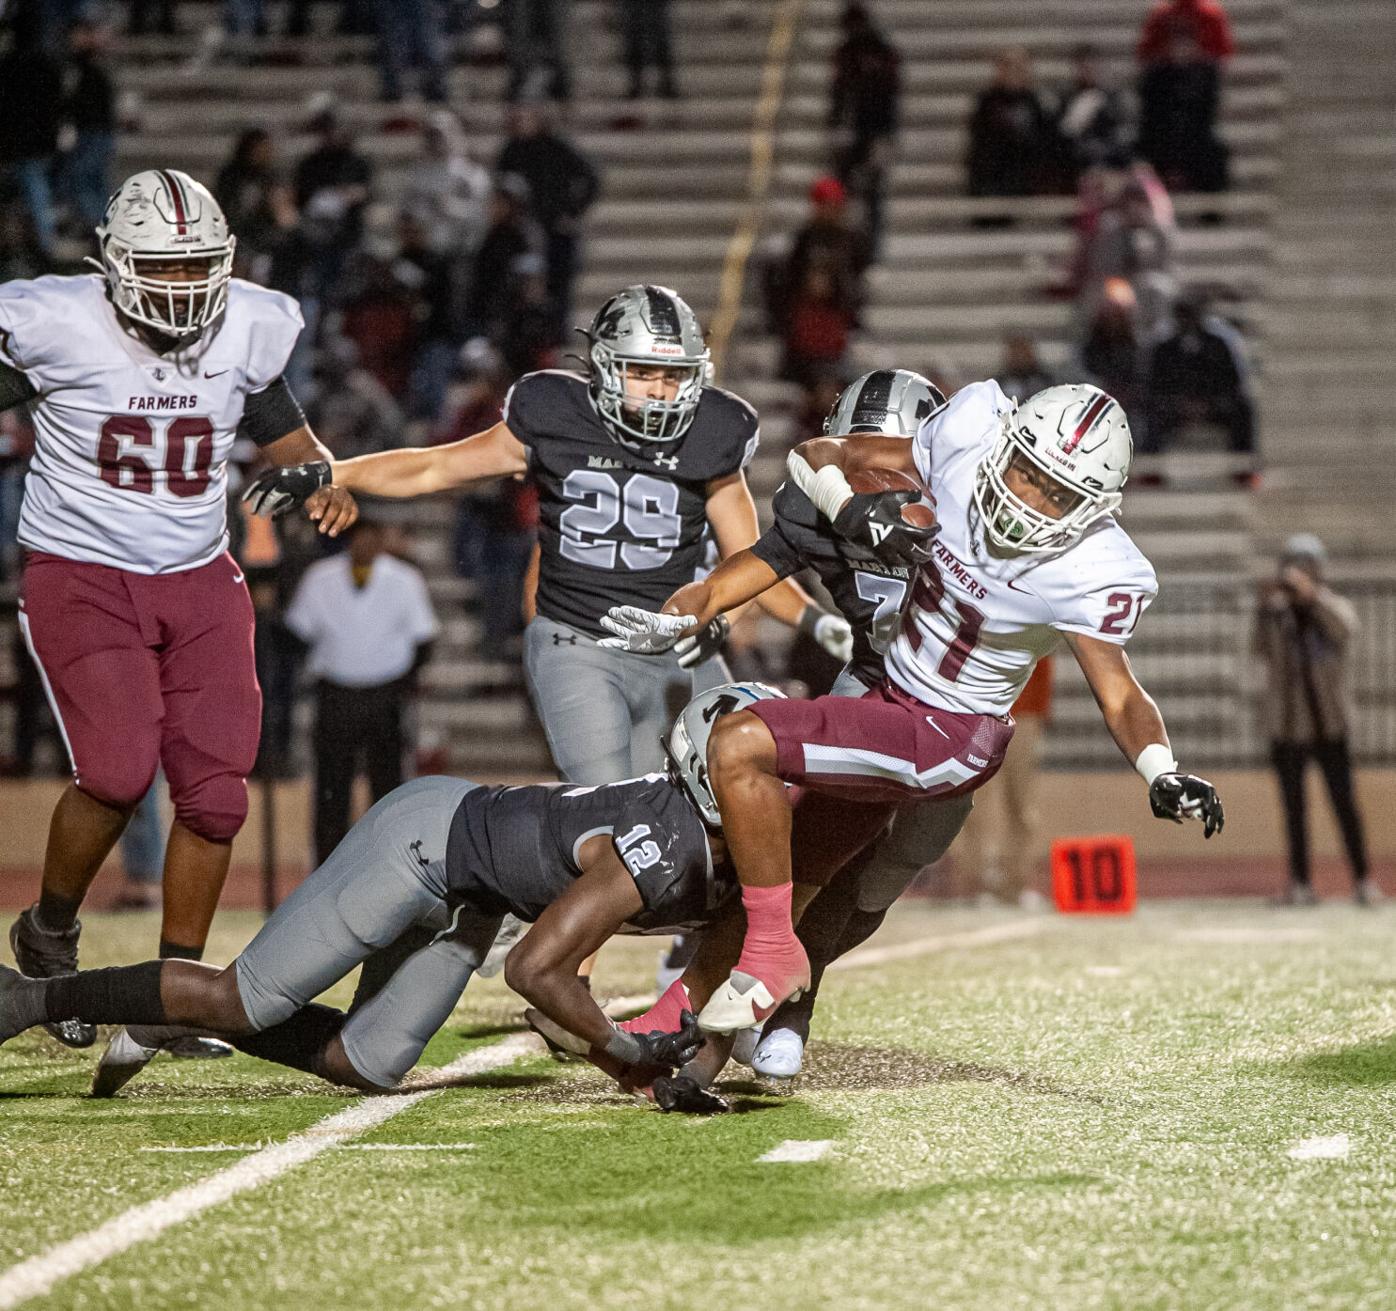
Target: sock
<point>56,913</point>
<point>173,951</point>
<point>26,1000</point>
<point>768,927</point>
<point>124,994</point>
<point>299,1042</point>
<point>664,1014</point>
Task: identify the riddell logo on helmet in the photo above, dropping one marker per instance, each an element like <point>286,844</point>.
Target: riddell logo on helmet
<point>660,348</point>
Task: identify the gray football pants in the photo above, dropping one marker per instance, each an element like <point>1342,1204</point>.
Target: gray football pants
<point>918,835</point>
<point>379,901</point>
<point>605,711</point>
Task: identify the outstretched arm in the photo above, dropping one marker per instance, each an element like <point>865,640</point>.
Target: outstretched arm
<point>732,514</point>
<point>494,453</point>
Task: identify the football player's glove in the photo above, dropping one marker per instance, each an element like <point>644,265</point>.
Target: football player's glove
<point>275,492</point>
<point>832,632</point>
<point>680,1093</point>
<point>704,644</point>
<point>874,520</point>
<point>1185,796</point>
<point>658,1048</point>
<point>643,632</point>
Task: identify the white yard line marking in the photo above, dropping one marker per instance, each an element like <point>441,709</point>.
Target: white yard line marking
<point>1239,936</point>
<point>1322,1149</point>
<point>38,1275</point>
<point>796,1149</point>
<point>984,937</point>
<point>342,1147</point>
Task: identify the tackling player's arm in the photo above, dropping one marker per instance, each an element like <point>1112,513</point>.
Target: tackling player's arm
<point>493,453</point>
<point>732,514</point>
<point>1135,723</point>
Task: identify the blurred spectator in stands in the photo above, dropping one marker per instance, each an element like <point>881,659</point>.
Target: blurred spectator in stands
<point>410,37</point>
<point>152,16</point>
<point>831,241</point>
<point>562,185</point>
<point>818,325</point>
<point>535,45</point>
<point>864,101</point>
<point>1302,635</point>
<point>1200,375</point>
<point>368,622</point>
<point>446,189</point>
<point>531,333</point>
<point>819,398</point>
<point>1089,122</point>
<point>511,233</point>
<point>1126,229</point>
<point>1021,371</point>
<point>1009,133</point>
<point>21,256</point>
<point>31,96</point>
<point>436,277</point>
<point>1115,358</point>
<point>16,447</point>
<point>351,411</point>
<point>355,18</point>
<point>648,44</point>
<point>89,120</point>
<point>244,19</point>
<point>258,202</point>
<point>1181,51</point>
<point>382,304</point>
<point>1000,845</point>
<point>142,851</point>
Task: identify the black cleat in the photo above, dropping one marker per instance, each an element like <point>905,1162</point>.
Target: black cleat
<point>193,1047</point>
<point>44,955</point>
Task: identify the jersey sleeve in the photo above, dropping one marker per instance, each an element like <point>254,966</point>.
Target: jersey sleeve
<point>1108,595</point>
<point>654,852</point>
<point>24,332</point>
<point>962,421</point>
<point>780,545</point>
<point>528,405</point>
<point>276,324</point>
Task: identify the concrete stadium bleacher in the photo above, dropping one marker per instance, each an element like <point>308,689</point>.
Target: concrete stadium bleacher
<point>675,189</point>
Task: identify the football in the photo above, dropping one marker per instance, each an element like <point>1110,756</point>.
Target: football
<point>918,514</point>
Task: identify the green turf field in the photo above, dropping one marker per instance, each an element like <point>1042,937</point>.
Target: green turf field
<point>1087,1114</point>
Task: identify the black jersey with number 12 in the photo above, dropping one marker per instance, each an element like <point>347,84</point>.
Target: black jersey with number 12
<point>619,525</point>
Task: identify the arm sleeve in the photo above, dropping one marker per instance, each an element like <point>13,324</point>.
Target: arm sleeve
<point>270,414</point>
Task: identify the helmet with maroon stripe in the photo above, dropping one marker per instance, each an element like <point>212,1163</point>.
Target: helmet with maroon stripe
<point>160,226</point>
<point>646,327</point>
<point>1079,437</point>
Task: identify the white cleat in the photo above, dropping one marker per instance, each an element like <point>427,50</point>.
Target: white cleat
<point>123,1059</point>
<point>744,1046</point>
<point>741,1003</point>
<point>779,1055</point>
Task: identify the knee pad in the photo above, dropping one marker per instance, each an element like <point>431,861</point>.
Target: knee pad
<point>214,808</point>
<point>118,782</point>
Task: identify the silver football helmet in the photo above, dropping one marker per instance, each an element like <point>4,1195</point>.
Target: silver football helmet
<point>894,402</point>
<point>1079,436</point>
<point>687,743</point>
<point>163,216</point>
<point>648,326</point>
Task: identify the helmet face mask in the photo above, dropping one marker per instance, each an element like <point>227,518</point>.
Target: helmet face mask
<point>1072,440</point>
<point>161,222</point>
<point>686,744</point>
<point>646,327</point>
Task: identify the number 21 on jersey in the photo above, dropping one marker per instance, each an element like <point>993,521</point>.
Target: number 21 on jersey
<point>130,449</point>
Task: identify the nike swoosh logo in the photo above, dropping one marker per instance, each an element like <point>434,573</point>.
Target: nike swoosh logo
<point>219,374</point>
<point>937,728</point>
<point>1016,588</point>
<point>237,577</point>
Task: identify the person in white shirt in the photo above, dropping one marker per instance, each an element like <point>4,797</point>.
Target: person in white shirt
<point>368,622</point>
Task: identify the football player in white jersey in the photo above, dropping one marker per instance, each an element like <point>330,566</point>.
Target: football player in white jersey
<point>1027,554</point>
<point>137,379</point>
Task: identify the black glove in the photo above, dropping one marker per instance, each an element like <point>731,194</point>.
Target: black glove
<point>659,1048</point>
<point>678,1092</point>
<point>1185,796</point>
<point>874,520</point>
<point>704,644</point>
<point>275,492</point>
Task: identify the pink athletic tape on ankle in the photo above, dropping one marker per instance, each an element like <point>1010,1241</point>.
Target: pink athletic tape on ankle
<point>664,1014</point>
<point>768,924</point>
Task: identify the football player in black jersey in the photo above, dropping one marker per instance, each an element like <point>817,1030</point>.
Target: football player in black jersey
<point>636,461</point>
<point>415,893</point>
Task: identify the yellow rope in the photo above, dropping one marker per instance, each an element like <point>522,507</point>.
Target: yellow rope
<point>763,130</point>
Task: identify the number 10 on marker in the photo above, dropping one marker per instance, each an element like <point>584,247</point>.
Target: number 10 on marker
<point>1093,876</point>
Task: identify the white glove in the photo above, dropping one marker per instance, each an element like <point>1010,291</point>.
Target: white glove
<point>835,635</point>
<point>643,632</point>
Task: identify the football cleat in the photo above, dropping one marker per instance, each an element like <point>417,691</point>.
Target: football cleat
<point>44,955</point>
<point>744,1001</point>
<point>196,1047</point>
<point>780,1054</point>
<point>744,1045</point>
<point>132,1048</point>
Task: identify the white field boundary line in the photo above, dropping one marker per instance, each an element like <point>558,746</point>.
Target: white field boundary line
<point>38,1274</point>
<point>213,1148</point>
<point>985,937</point>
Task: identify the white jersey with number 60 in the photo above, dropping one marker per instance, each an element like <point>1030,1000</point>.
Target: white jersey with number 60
<point>976,624</point>
<point>131,447</point>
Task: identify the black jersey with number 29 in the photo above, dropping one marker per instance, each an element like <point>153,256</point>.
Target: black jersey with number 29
<point>619,525</point>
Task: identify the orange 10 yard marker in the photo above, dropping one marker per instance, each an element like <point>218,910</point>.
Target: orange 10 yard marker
<point>1093,876</point>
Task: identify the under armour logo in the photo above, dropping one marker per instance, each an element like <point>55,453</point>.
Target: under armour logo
<point>670,462</point>
<point>559,640</point>
<point>416,850</point>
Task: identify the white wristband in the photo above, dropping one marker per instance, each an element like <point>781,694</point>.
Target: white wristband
<point>826,487</point>
<point>1154,760</point>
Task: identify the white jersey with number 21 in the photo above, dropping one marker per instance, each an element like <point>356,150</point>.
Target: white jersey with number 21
<point>976,624</point>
